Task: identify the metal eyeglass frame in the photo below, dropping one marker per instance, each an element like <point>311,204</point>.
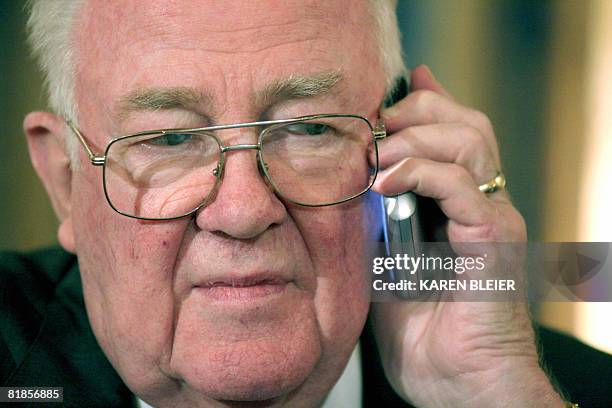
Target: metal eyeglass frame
<point>378,133</point>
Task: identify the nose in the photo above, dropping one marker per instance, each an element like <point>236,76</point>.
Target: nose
<point>245,206</point>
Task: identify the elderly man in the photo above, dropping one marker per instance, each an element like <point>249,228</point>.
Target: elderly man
<point>208,163</point>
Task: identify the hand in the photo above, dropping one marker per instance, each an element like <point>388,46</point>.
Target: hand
<point>456,354</point>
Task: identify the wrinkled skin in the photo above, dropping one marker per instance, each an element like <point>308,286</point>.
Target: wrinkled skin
<point>173,344</point>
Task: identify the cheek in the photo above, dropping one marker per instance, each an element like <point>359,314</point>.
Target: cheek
<point>127,273</point>
<point>337,240</point>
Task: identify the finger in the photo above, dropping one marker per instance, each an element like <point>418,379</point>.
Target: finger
<point>446,142</point>
<point>449,183</point>
<point>425,107</point>
<point>422,78</point>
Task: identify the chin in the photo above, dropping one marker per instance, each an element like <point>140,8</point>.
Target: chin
<point>249,370</point>
<point>246,353</point>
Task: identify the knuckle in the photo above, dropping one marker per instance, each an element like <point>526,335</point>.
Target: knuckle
<point>474,142</point>
<point>475,153</point>
<point>458,174</point>
<point>422,97</point>
<point>519,226</point>
<point>482,121</point>
<point>406,136</point>
<point>483,232</point>
<point>409,164</point>
<point>513,227</point>
<point>413,168</point>
<point>423,102</point>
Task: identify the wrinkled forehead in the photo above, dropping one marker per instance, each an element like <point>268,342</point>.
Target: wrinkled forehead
<point>122,43</point>
<point>236,26</point>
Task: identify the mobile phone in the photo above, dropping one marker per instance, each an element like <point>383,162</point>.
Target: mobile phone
<point>401,227</point>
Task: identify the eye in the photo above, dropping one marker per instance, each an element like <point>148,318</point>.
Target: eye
<point>170,139</point>
<point>311,129</point>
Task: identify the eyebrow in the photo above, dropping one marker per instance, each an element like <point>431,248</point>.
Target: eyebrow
<point>298,87</point>
<point>166,98</point>
<point>163,98</point>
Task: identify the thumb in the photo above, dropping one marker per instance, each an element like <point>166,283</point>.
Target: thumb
<point>422,78</point>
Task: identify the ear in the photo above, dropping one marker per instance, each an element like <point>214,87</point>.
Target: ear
<point>45,132</point>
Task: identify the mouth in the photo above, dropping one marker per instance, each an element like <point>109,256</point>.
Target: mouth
<point>243,288</point>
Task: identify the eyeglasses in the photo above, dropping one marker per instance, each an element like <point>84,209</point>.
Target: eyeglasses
<point>313,161</point>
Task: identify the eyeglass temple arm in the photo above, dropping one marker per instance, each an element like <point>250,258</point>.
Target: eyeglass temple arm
<point>380,132</point>
<point>398,92</point>
<point>94,158</point>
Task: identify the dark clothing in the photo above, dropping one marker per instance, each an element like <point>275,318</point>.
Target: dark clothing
<point>45,336</point>
<point>46,340</point>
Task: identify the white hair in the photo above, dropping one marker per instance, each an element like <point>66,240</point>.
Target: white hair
<point>50,34</point>
<point>388,38</point>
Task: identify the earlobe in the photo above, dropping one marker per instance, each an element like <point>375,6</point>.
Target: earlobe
<point>45,132</point>
<point>65,235</point>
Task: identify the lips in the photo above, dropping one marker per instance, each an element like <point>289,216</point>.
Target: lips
<point>245,282</point>
<point>242,288</point>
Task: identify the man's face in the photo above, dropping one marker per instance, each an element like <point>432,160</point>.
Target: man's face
<point>289,292</point>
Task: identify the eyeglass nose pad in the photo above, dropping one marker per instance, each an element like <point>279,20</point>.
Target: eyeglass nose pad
<point>217,170</point>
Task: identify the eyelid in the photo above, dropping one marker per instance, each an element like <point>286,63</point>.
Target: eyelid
<point>148,121</point>
<point>293,108</point>
<point>169,134</point>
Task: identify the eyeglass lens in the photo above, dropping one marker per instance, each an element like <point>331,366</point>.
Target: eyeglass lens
<point>313,162</point>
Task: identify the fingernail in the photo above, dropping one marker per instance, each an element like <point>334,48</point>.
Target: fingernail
<point>379,179</point>
<point>431,74</point>
<point>376,185</point>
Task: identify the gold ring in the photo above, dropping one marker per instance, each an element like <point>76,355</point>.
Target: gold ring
<point>498,183</point>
